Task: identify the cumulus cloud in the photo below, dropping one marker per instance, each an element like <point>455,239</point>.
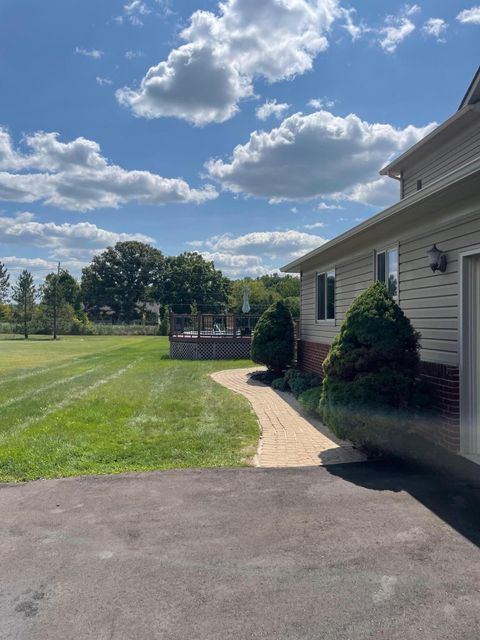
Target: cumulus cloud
<point>204,79</point>
<point>436,27</point>
<point>271,108</point>
<point>256,253</point>
<point>397,28</point>
<point>75,176</point>
<point>89,53</point>
<point>316,155</point>
<point>470,16</point>
<point>73,244</point>
<point>24,229</point>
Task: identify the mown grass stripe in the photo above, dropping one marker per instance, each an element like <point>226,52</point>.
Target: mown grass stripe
<point>68,400</point>
<point>39,390</point>
<point>72,361</point>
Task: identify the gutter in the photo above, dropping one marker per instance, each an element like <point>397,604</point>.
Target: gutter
<point>429,190</point>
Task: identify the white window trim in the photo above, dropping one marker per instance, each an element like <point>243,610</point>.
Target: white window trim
<point>331,321</point>
<point>385,249</point>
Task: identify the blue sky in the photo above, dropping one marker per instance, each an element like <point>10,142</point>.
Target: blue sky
<point>250,132</point>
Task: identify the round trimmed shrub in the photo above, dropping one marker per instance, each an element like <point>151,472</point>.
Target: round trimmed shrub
<point>273,338</point>
<point>372,368</point>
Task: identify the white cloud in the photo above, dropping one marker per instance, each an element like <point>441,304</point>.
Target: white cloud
<point>355,30</point>
<point>103,81</point>
<point>271,108</point>
<point>315,155</point>
<point>436,27</point>
<point>397,28</point>
<point>73,244</point>
<point>135,11</point>
<point>204,79</point>
<point>256,253</point>
<point>24,229</point>
<point>75,176</point>
<point>315,225</point>
<point>131,55</point>
<point>89,53</point>
<point>469,16</point>
<point>321,103</point>
<point>326,206</point>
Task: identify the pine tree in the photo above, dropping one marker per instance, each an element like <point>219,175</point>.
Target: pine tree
<point>23,295</point>
<point>4,283</point>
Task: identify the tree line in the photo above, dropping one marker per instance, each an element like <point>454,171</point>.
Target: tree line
<point>133,282</point>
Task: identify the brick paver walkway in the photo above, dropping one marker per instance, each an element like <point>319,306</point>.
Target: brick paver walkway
<point>288,439</point>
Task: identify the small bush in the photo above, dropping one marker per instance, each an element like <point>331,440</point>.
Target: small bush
<point>265,377</point>
<point>280,384</point>
<point>298,381</point>
<point>273,338</point>
<point>371,372</point>
<point>310,399</point>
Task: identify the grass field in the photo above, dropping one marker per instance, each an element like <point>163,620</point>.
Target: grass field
<point>111,404</point>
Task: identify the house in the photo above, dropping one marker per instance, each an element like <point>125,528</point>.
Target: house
<point>439,208</point>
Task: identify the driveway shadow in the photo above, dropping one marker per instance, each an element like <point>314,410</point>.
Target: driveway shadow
<point>456,502</point>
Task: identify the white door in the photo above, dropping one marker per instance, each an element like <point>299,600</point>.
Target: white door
<point>470,370</point>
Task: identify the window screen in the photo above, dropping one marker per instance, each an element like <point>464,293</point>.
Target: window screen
<point>321,288</point>
<point>387,270</point>
<point>331,295</point>
<point>326,296</point>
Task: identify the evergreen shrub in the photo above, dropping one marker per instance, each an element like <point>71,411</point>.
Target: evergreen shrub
<point>273,338</point>
<point>371,371</point>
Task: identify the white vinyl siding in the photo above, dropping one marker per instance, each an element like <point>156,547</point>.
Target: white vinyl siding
<point>350,279</point>
<point>464,148</point>
<point>430,300</point>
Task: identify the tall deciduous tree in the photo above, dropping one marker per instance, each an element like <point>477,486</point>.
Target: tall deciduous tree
<point>192,280</point>
<point>4,283</point>
<point>121,276</point>
<point>23,295</point>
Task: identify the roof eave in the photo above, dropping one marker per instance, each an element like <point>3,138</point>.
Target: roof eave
<point>393,169</point>
<point>434,187</point>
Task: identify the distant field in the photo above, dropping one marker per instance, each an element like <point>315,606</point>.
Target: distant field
<point>111,404</point>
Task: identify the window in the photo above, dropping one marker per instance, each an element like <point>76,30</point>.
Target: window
<point>326,295</point>
<point>386,269</point>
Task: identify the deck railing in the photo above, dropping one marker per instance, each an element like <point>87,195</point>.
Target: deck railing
<point>211,325</point>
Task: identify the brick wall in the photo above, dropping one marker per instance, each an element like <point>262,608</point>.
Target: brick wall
<point>444,378</point>
<point>310,356</point>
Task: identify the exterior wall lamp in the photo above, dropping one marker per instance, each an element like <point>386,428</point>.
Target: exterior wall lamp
<point>438,259</point>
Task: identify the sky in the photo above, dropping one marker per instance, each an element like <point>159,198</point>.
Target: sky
<point>250,131</point>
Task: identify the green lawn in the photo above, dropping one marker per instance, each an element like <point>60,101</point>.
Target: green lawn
<point>111,404</point>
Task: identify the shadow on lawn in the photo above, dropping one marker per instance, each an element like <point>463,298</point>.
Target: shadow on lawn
<point>455,501</point>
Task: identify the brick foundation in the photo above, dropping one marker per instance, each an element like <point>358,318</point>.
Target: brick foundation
<point>444,379</point>
<point>310,356</point>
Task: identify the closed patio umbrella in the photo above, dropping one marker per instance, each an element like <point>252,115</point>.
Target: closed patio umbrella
<point>246,304</point>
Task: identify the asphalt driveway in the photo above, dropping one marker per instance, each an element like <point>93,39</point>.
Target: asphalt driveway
<point>349,551</point>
